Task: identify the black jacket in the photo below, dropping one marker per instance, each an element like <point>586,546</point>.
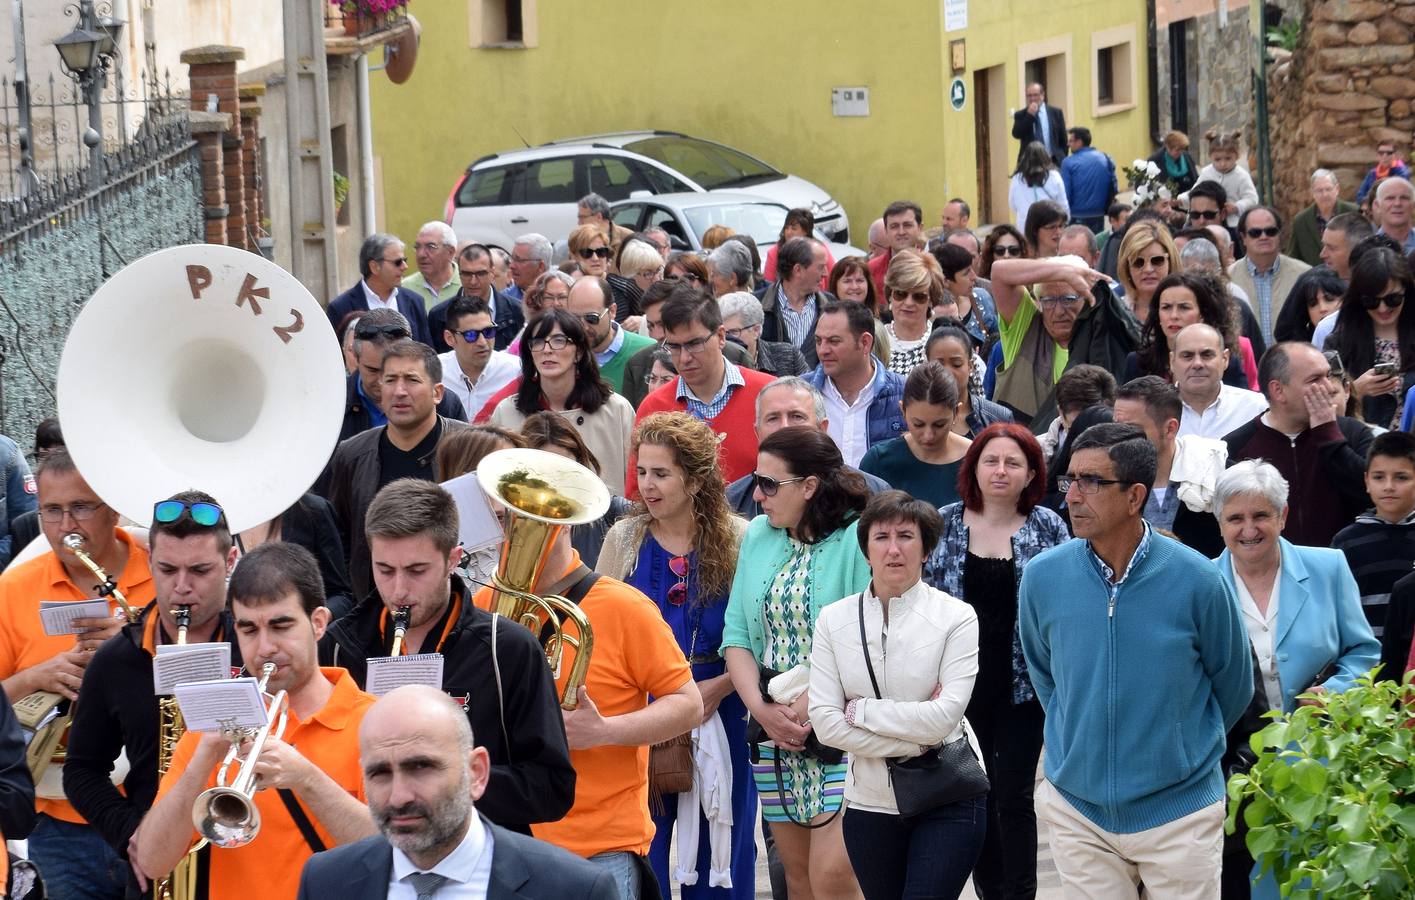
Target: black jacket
<point>353,480</point>
<point>532,779</point>
<point>118,711</point>
<point>16,786</point>
<point>409,303</point>
<point>356,414</point>
<point>774,324</point>
<point>311,524</point>
<point>506,312</point>
<point>1025,129</point>
<point>1399,628</point>
<point>780,358</point>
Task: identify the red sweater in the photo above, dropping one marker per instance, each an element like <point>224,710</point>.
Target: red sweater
<point>736,425</point>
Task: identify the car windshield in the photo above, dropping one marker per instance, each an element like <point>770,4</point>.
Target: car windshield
<point>711,165</point>
<point>762,221</point>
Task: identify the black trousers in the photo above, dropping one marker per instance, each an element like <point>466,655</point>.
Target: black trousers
<point>1010,737</point>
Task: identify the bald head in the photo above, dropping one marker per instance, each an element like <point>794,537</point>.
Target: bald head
<point>416,709</point>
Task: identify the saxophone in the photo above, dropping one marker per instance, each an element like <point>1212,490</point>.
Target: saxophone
<point>181,884</point>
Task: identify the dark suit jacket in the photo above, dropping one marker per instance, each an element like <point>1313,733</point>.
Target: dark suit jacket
<point>522,868</point>
<point>1026,130</point>
<point>1306,241</point>
<point>409,304</point>
<point>505,312</point>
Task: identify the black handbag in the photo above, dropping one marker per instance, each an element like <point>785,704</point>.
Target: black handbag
<point>757,735</point>
<point>940,775</point>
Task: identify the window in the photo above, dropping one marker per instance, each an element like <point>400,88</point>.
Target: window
<point>713,166</point>
<point>483,188</point>
<point>339,160</point>
<point>1046,62</point>
<point>661,218</point>
<point>502,24</point>
<point>546,181</point>
<point>1113,73</point>
<point>659,181</point>
<point>627,216</point>
<point>613,179</point>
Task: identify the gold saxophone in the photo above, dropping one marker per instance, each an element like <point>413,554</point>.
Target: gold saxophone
<point>181,884</point>
<point>400,628</point>
<point>107,587</point>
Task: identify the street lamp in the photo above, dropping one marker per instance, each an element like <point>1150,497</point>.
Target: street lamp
<point>79,51</point>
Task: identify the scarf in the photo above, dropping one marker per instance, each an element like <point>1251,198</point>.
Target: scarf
<point>1176,168</point>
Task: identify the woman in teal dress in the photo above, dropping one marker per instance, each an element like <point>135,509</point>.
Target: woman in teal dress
<point>924,461</point>
<point>800,556</point>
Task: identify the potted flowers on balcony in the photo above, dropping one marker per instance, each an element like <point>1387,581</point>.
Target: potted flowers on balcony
<point>362,17</point>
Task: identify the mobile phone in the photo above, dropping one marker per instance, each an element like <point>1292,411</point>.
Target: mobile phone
<point>1386,369</point>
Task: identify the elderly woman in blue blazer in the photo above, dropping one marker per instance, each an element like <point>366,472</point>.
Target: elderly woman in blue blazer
<point>1300,605</point>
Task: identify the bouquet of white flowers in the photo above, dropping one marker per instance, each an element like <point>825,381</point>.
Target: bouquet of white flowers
<point>1147,182</point>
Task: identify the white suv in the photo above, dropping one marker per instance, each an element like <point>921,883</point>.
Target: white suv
<point>508,194</point>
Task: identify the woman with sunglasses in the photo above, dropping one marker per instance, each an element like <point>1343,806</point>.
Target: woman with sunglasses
<point>1003,242</point>
<point>924,461</point>
<point>684,265</point>
<point>559,374</point>
<point>1184,299</point>
<point>1147,257</point>
<point>1375,335</point>
<point>797,558</point>
<point>680,548</point>
<point>590,251</point>
<point>913,285</point>
<point>988,538</point>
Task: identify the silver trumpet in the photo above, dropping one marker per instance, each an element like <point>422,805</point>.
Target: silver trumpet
<point>226,815</point>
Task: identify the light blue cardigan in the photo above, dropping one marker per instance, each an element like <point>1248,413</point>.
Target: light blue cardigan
<point>838,569</point>
<point>1319,620</point>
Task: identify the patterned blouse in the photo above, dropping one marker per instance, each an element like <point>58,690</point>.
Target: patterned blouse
<point>1042,530</point>
<point>904,355</point>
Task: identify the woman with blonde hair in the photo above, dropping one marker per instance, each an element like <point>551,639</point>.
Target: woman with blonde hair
<point>1147,257</point>
<point>714,236</point>
<point>680,548</point>
<point>913,286</point>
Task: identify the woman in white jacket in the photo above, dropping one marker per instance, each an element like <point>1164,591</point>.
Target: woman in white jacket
<point>923,647</point>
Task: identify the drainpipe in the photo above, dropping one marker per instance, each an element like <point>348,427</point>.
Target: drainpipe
<point>365,128</point>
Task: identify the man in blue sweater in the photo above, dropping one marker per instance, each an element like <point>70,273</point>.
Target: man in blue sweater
<point>1139,656</point>
<point>1089,177</point>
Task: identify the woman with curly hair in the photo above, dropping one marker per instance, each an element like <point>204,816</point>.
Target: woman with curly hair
<point>1003,242</point>
<point>679,546</point>
<point>1185,299</point>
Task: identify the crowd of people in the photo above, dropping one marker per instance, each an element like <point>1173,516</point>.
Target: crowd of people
<point>886,533</point>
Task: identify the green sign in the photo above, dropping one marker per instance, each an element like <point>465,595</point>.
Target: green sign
<point>957,94</point>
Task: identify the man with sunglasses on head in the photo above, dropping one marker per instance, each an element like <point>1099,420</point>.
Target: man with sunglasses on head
<point>382,262</point>
<point>192,554</point>
<point>592,302</point>
<point>363,393</point>
<point>74,857</point>
<point>1266,275</point>
<point>476,269</point>
<point>496,671</point>
<point>473,370</point>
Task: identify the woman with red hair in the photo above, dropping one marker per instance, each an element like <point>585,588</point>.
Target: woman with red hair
<point>987,539</point>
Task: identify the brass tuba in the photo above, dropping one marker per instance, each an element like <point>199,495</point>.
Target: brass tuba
<point>226,815</point>
<point>543,493</point>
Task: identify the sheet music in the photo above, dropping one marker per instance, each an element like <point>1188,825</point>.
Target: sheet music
<point>388,672</point>
<point>221,704</point>
<point>58,615</point>
<point>477,525</point>
<point>180,663</point>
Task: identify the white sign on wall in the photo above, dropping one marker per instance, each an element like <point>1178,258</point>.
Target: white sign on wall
<point>955,15</point>
<point>850,101</point>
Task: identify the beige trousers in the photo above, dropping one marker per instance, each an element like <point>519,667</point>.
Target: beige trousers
<point>1180,860</point>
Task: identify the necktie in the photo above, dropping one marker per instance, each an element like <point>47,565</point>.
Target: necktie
<point>426,883</point>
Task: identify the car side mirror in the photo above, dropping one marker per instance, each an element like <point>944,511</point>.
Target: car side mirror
<point>677,243</point>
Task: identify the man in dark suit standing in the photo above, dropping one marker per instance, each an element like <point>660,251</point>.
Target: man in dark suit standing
<point>421,775</point>
<point>1039,122</point>
<point>382,262</point>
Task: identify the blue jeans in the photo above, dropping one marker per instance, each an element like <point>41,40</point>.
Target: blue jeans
<point>626,871</point>
<point>925,856</point>
<point>75,862</point>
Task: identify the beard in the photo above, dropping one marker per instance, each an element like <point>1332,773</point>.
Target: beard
<point>442,822</point>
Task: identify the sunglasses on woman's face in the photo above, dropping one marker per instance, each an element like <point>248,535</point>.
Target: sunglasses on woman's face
<point>601,252</point>
<point>1007,250</point>
<point>1153,262</point>
<point>769,486</point>
<point>1392,300</point>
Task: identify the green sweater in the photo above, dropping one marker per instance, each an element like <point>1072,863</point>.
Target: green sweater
<point>613,371</point>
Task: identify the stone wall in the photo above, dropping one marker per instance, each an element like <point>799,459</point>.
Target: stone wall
<point>1349,84</point>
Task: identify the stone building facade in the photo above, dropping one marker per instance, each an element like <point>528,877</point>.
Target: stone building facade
<point>1349,84</point>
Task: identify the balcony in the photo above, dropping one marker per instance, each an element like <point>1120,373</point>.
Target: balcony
<point>358,26</point>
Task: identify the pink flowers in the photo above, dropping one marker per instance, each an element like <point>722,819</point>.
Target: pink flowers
<point>369,7</point>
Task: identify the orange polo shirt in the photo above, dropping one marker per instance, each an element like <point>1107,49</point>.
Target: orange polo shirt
<point>635,656</point>
<point>23,642</point>
<point>270,865</point>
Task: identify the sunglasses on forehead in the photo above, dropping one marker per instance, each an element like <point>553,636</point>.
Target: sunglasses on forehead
<point>169,511</point>
<point>370,331</point>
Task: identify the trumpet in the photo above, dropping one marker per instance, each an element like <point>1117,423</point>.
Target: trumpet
<point>400,628</point>
<point>226,815</point>
<point>107,586</point>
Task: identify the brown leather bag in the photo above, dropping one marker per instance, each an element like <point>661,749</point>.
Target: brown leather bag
<point>670,769</point>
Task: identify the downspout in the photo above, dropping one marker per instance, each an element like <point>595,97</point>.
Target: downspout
<point>365,127</point>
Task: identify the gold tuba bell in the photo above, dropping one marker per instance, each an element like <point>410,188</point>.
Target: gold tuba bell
<point>543,493</point>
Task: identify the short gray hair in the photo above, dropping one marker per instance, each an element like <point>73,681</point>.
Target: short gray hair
<point>1251,476</point>
<point>795,383</point>
<point>372,248</point>
<point>1395,179</point>
<point>538,245</point>
<point>375,318</point>
<point>1200,254</point>
<point>597,205</point>
<point>733,258</point>
<point>500,259</point>
<point>741,303</point>
<point>1325,173</point>
<point>444,232</point>
<point>1092,247</point>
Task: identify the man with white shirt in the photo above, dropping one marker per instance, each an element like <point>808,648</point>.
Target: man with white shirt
<point>382,262</point>
<point>1212,409</point>
<point>422,775</point>
<point>472,370</point>
<point>862,397</point>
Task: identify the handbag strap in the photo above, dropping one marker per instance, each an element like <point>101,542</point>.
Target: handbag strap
<point>865,648</point>
<point>781,789</point>
<point>302,821</point>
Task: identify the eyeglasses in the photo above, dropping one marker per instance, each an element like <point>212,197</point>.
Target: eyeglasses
<point>371,331</point>
<point>692,348</point>
<point>400,262</point>
<point>1007,250</point>
<point>79,512</point>
<point>683,276</point>
<point>1385,152</point>
<point>169,511</point>
<point>554,342</point>
<point>1153,262</point>
<point>1203,214</point>
<point>769,486</point>
<point>592,319</point>
<point>677,594</point>
<point>1056,300</point>
<point>1392,300</point>
<point>431,247</point>
<point>478,273</point>
<point>1338,368</point>
<point>1270,231</point>
<point>1086,484</point>
<point>601,252</point>
<point>902,295</point>
<point>522,260</point>
<point>471,334</point>
<point>650,273</point>
<point>737,332</point>
<point>658,381</point>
